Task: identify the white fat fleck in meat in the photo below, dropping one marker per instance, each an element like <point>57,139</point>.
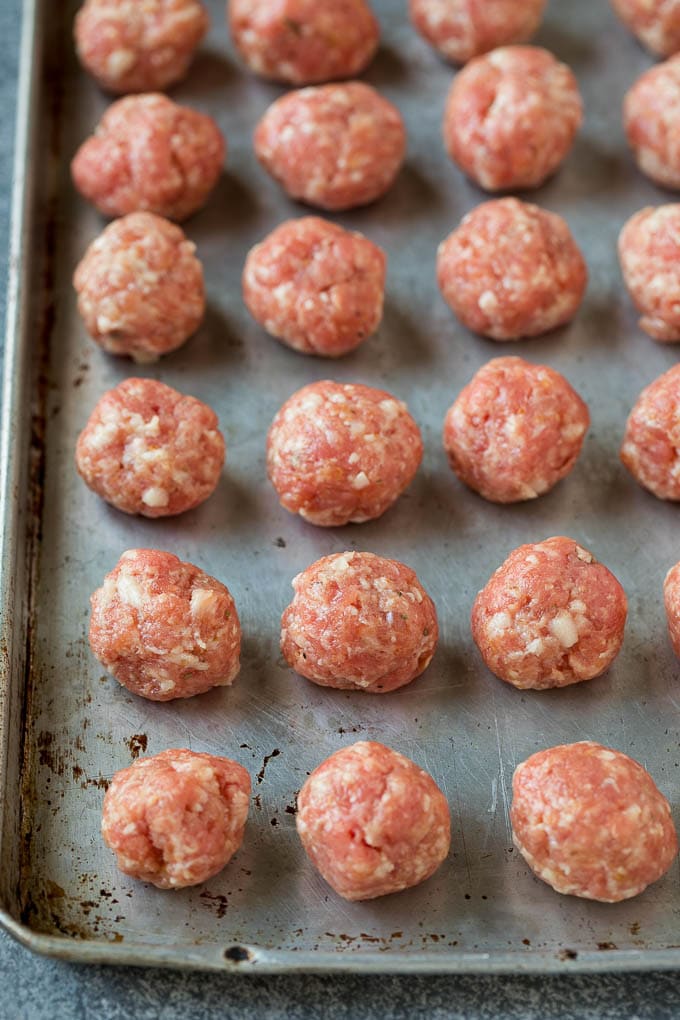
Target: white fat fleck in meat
<point>155,496</point>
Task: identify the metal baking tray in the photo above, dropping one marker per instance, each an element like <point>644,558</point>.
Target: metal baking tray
<point>66,728</point>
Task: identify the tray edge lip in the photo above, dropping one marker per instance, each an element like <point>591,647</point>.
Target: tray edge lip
<point>15,366</point>
<point>211,957</point>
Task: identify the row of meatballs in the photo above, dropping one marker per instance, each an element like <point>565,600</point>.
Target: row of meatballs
<point>130,47</point>
<point>340,453</point>
<point>588,820</point>
<point>510,120</point>
<point>551,615</point>
<point>509,270</point>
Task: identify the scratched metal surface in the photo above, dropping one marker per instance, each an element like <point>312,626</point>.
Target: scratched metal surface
<point>73,727</point>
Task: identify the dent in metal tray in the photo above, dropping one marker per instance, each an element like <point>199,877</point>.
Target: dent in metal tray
<point>67,728</point>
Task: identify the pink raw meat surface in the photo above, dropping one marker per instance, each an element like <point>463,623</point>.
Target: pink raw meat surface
<point>462,29</point>
<point>150,450</point>
<point>151,154</point>
<point>304,42</point>
<point>511,270</point>
<point>511,117</point>
<point>591,822</point>
<point>550,616</point>
<point>372,822</point>
<point>140,287</point>
<point>651,443</point>
<point>138,45</point>
<point>315,286</point>
<point>164,628</point>
<point>359,621</point>
<point>332,146</point>
<point>342,452</point>
<point>176,819</point>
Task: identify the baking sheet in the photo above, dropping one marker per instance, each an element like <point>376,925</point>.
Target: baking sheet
<point>67,728</point>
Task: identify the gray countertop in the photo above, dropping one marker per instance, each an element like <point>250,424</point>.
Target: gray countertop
<point>32,988</point>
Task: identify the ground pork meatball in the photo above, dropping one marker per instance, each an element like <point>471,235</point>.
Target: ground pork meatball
<point>590,822</point>
<point>651,443</point>
<point>649,251</point>
<point>462,29</point>
<point>651,116</point>
<point>511,117</point>
<point>656,23</point>
<point>515,430</point>
<point>176,819</point>
<point>150,154</point>
<point>140,287</point>
<point>333,146</point>
<point>340,453</point>
<point>372,822</point>
<point>315,286</point>
<point>150,450</point>
<point>511,270</point>
<point>163,628</point>
<point>303,42</point>
<point>138,45</point>
<point>359,622</point>
<point>550,616</point>
<point>671,598</point>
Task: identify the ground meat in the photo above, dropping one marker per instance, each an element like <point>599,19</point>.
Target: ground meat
<point>340,453</point>
<point>150,154</point>
<point>671,598</point>
<point>511,117</point>
<point>315,286</point>
<point>651,443</point>
<point>462,29</point>
<point>150,450</point>
<point>372,822</point>
<point>133,46</point>
<point>333,146</point>
<point>550,616</point>
<point>515,430</point>
<point>590,822</point>
<point>302,42</point>
<point>359,622</point>
<point>511,270</point>
<point>656,23</point>
<point>176,819</point>
<point>163,628</point>
<point>651,114</point>
<point>649,250</point>
<point>140,287</point>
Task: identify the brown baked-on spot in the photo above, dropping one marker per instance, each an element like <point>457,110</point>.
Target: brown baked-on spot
<point>237,954</point>
<point>137,743</point>
<point>567,954</point>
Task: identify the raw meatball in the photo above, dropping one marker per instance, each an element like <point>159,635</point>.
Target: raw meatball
<point>140,287</point>
<point>651,443</point>
<point>359,622</point>
<point>149,153</point>
<point>511,270</point>
<point>511,117</point>
<point>150,450</point>
<point>176,819</point>
<point>656,23</point>
<point>671,598</point>
<point>462,29</point>
<point>515,430</point>
<point>590,822</point>
<point>651,116</point>
<point>341,453</point>
<point>372,822</point>
<point>163,628</point>
<point>134,46</point>
<point>649,250</point>
<point>315,286</point>
<point>333,146</point>
<point>550,616</point>
<point>304,41</point>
